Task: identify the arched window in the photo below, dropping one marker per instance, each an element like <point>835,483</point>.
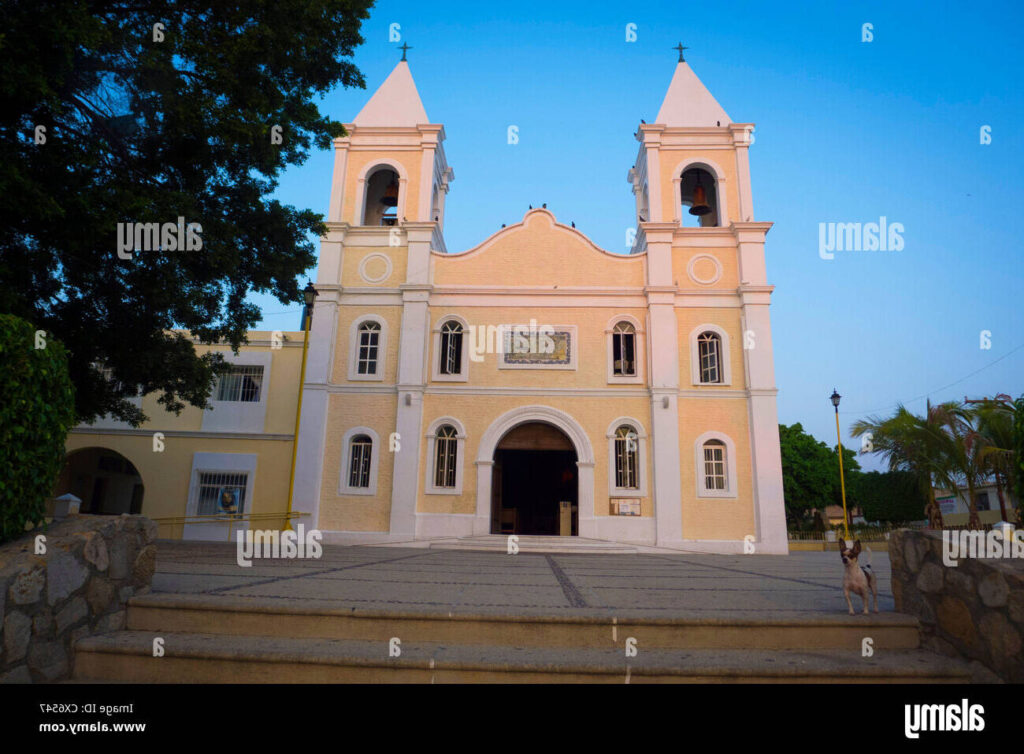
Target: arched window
<point>381,197</point>
<point>368,356</point>
<point>451,342</point>
<point>716,475</point>
<point>446,440</point>
<point>698,191</point>
<point>624,336</point>
<point>451,348</point>
<point>359,462</point>
<point>446,456</point>
<point>709,352</point>
<point>627,458</point>
<point>715,463</point>
<point>624,350</point>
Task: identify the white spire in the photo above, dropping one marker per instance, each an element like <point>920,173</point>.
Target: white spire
<point>688,103</point>
<point>395,103</point>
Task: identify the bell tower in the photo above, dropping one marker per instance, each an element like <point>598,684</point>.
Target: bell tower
<point>705,272</point>
<point>386,215</point>
<point>391,167</point>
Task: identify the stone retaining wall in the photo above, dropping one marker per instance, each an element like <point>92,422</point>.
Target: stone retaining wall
<point>86,570</point>
<point>974,610</point>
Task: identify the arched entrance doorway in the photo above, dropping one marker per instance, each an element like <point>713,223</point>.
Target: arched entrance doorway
<point>535,482</point>
<point>104,480</point>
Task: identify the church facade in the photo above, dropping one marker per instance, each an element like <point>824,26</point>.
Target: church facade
<point>628,397</point>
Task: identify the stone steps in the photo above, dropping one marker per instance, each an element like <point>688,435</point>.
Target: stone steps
<point>302,618</point>
<point>536,544</point>
<point>219,638</point>
<point>219,658</point>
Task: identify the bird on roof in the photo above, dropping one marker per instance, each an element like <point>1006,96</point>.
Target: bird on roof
<point>574,223</point>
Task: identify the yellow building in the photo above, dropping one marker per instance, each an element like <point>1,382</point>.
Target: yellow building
<point>177,467</point>
<point>533,384</point>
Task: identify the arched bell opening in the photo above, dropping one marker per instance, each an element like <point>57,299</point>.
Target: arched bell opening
<point>699,192</point>
<point>380,206</point>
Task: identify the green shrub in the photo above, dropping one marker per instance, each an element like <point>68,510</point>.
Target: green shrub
<point>37,408</point>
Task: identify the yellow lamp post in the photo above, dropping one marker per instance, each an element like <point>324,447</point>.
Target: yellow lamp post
<point>842,482</point>
<point>309,294</point>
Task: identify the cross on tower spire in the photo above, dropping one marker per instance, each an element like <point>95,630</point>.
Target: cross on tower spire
<point>677,47</point>
<point>405,48</point>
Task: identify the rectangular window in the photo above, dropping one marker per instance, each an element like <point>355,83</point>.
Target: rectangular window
<point>714,467</point>
<point>451,352</point>
<point>709,358</point>
<point>369,344</point>
<point>242,384</point>
<point>221,493</point>
<point>625,463</point>
<point>444,473</point>
<point>623,354</point>
<point>359,463</point>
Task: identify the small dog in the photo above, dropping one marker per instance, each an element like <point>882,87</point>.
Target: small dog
<point>856,578</point>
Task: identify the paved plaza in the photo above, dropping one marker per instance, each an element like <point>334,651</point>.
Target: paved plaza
<point>366,578</point>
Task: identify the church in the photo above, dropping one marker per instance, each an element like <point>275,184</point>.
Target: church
<point>622,397</point>
<point>645,410</point>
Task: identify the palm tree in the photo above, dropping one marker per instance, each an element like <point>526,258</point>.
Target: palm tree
<point>995,424</point>
<point>960,447</point>
<point>910,443</point>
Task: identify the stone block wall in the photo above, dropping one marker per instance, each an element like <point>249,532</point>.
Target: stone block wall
<point>974,610</point>
<point>72,583</point>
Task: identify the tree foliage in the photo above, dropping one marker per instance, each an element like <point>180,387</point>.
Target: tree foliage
<point>147,124</point>
<point>810,472</point>
<point>953,445</point>
<point>37,404</point>
<point>889,496</point>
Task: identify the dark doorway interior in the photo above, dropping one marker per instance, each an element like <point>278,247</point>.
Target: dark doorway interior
<point>534,472</point>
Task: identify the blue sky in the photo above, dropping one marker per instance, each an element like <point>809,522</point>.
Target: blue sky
<point>847,131</point>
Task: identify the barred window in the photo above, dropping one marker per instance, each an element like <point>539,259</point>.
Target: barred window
<point>714,465</point>
<point>359,462</point>
<point>445,456</point>
<point>451,348</point>
<point>710,353</point>
<point>369,346</point>
<point>624,350</point>
<point>626,458</point>
<point>221,493</point>
<point>241,384</point>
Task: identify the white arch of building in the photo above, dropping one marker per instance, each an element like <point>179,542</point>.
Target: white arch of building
<point>524,415</point>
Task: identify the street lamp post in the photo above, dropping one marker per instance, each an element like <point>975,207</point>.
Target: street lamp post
<point>309,294</point>
<point>842,482</point>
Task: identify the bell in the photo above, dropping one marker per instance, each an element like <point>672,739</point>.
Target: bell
<point>390,198</point>
<point>700,201</point>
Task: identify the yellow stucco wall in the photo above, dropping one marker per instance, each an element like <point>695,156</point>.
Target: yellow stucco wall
<point>357,512</point>
<point>543,254</point>
<point>715,518</point>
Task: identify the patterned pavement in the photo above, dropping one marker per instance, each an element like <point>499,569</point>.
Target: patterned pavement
<point>432,580</point>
